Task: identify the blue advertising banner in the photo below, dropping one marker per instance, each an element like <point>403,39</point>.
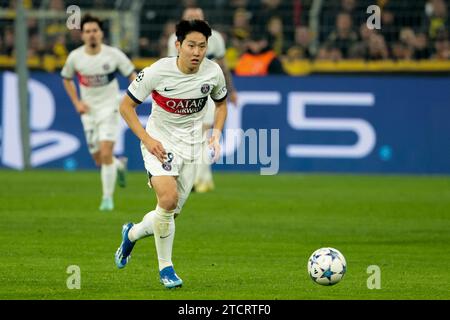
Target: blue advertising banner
<point>360,124</point>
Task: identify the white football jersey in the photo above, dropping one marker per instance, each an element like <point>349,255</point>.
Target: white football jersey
<point>179,102</point>
<point>96,74</point>
<point>216,46</point>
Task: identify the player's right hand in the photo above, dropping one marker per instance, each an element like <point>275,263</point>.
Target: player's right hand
<point>156,148</point>
<point>233,98</point>
<point>81,107</point>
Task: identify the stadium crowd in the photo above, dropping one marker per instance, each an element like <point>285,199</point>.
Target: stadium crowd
<point>410,30</point>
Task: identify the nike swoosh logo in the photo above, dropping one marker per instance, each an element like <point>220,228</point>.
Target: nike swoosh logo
<point>167,89</point>
<point>165,236</point>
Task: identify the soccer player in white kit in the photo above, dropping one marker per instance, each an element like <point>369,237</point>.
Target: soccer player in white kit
<point>216,51</point>
<point>172,142</point>
<point>95,65</point>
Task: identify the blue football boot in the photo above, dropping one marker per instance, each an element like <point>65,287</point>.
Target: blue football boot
<point>169,278</point>
<point>122,255</point>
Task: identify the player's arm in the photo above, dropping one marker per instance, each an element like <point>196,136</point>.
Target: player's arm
<point>228,79</point>
<point>67,73</point>
<point>128,111</point>
<point>219,122</point>
<point>125,65</point>
<point>71,90</point>
<point>132,76</point>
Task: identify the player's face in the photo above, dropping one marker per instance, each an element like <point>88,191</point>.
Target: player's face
<point>192,51</point>
<point>91,34</point>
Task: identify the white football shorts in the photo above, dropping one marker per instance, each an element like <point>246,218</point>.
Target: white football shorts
<point>184,171</point>
<point>100,129</point>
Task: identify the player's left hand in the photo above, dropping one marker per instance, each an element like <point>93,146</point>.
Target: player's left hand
<point>214,146</point>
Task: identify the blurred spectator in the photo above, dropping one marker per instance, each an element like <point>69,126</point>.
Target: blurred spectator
<point>396,14</point>
<point>59,48</point>
<point>350,7</point>
<point>240,30</point>
<point>35,46</point>
<point>442,48</point>
<point>228,10</point>
<point>356,10</point>
<point>8,41</point>
<point>276,36</point>
<point>268,9</point>
<point>302,42</point>
<point>377,48</point>
<point>416,43</point>
<point>389,28</point>
<point>328,53</point>
<point>343,38</point>
<point>154,16</point>
<point>146,48</point>
<point>422,49</point>
<point>294,53</point>
<point>360,49</point>
<point>401,51</point>
<point>241,24</point>
<point>260,59</point>
<point>169,29</point>
<point>408,37</point>
<point>436,20</point>
<point>403,12</point>
<point>55,31</point>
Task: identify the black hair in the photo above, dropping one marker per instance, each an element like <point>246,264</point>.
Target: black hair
<point>184,27</point>
<point>89,18</point>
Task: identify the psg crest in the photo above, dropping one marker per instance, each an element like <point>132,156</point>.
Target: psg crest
<point>167,165</point>
<point>205,88</point>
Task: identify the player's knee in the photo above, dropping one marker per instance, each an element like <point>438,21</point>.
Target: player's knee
<point>106,157</point>
<point>168,200</point>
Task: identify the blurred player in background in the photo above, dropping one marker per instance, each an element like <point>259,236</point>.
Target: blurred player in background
<point>216,51</point>
<point>172,142</point>
<point>95,65</point>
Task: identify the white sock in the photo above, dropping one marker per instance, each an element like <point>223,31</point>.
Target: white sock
<point>108,174</point>
<point>142,229</point>
<point>164,230</point>
<point>117,163</point>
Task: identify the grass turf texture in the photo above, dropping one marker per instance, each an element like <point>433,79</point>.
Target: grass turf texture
<point>249,239</point>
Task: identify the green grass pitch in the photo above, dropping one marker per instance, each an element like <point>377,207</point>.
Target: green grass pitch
<point>249,239</point>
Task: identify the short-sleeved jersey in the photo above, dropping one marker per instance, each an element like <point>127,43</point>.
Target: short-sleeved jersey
<point>216,46</point>
<point>96,75</point>
<point>179,101</point>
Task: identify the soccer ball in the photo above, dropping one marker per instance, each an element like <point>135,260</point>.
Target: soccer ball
<point>327,266</point>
